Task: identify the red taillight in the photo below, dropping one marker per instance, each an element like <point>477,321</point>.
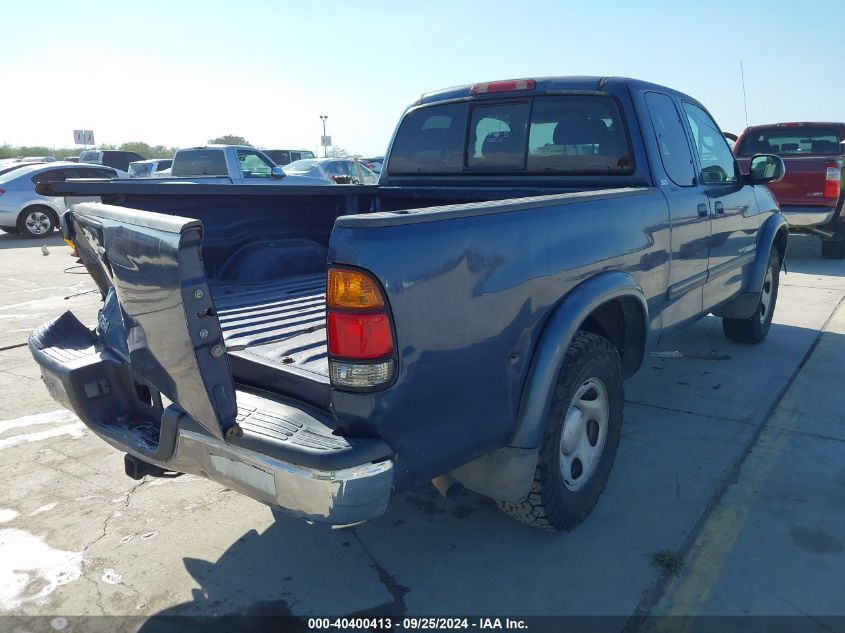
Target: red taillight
<point>511,85</point>
<point>359,336</point>
<point>2,191</point>
<point>833,181</point>
<point>358,329</point>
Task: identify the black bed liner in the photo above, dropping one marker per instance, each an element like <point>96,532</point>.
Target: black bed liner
<point>276,336</point>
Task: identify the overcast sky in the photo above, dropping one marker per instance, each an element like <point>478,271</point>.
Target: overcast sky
<point>180,73</point>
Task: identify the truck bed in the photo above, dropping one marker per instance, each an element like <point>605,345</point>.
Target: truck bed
<point>276,335</point>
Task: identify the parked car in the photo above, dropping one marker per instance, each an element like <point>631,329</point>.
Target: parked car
<point>470,320</point>
<point>116,159</point>
<point>811,196</point>
<point>286,156</point>
<point>373,164</point>
<point>232,164</point>
<point>36,159</point>
<point>153,168</point>
<point>24,211</point>
<point>333,170</point>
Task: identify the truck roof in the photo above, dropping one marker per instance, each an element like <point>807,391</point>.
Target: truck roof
<point>797,124</point>
<point>550,84</point>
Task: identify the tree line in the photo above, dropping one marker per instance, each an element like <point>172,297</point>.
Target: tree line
<point>139,147</point>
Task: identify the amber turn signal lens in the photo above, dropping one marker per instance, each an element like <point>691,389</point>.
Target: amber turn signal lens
<point>351,290</point>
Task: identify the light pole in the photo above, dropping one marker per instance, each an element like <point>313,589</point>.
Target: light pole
<point>323,118</point>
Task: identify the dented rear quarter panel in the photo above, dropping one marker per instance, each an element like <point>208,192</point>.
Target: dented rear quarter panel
<point>469,298</point>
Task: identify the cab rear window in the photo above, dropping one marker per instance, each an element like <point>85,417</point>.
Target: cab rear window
<point>568,134</point>
<point>200,162</point>
<point>786,141</point>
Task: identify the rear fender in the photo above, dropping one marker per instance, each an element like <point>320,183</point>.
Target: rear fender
<point>507,473</point>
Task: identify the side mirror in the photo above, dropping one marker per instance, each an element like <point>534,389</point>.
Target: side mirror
<point>765,169</point>
<point>277,172</point>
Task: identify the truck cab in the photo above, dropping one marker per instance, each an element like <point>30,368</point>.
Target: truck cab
<point>236,164</point>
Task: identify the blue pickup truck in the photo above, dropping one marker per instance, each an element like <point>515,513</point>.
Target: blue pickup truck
<point>469,320</point>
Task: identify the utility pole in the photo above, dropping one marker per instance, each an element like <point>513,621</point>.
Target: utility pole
<point>323,118</point>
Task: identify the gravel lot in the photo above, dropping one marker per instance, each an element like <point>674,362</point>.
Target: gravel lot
<point>731,460</point>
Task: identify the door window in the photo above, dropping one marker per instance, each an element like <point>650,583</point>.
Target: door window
<point>671,139</point>
<point>253,164</point>
<point>717,161</point>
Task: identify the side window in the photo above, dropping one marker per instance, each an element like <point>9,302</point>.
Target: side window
<point>430,141</point>
<point>497,136</point>
<point>253,164</point>
<point>671,139</point>
<point>54,175</point>
<point>717,161</point>
<point>334,168</point>
<point>163,164</point>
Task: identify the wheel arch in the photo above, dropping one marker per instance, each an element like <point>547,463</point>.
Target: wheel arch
<point>774,234</point>
<point>610,304</point>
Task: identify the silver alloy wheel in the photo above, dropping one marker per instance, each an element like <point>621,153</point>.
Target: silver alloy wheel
<point>584,434</point>
<point>766,296</point>
<point>37,222</point>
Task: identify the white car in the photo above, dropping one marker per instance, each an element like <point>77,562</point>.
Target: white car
<point>333,170</point>
<point>153,168</point>
<point>25,211</point>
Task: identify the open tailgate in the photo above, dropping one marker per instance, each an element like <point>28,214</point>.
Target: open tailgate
<point>158,316</point>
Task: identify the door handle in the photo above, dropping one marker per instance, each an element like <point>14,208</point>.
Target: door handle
<point>702,210</point>
<point>720,208</point>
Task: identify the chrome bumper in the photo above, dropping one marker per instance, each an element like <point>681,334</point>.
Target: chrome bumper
<point>339,497</point>
<point>812,216</point>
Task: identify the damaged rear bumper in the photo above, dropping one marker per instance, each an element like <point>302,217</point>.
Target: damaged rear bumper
<point>287,456</point>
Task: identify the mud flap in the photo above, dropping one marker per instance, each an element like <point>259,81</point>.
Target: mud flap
<point>158,316</point>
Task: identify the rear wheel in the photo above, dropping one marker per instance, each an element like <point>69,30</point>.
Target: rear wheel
<point>36,222</point>
<point>755,328</point>
<point>579,440</point>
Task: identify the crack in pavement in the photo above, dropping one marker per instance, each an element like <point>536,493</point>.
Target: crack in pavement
<point>127,500</point>
<point>703,415</point>
<point>89,568</point>
<point>398,591</point>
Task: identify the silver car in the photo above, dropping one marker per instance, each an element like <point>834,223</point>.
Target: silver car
<point>334,170</point>
<point>24,211</point>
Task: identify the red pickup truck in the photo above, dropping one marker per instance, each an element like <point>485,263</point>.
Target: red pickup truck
<point>811,194</point>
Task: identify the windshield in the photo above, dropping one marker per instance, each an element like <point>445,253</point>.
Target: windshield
<point>567,134</point>
<point>301,165</point>
<point>140,170</point>
<point>787,141</point>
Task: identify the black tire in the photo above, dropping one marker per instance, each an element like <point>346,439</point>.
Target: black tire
<point>755,328</point>
<point>833,249</point>
<point>36,221</point>
<point>552,503</point>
